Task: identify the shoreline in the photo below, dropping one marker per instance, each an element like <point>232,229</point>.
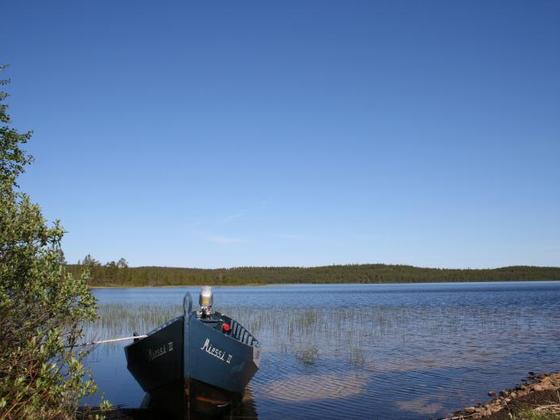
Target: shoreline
<point>538,397</point>
<point>123,276</point>
<point>321,284</point>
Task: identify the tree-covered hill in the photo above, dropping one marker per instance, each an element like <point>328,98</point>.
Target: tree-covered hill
<point>119,274</point>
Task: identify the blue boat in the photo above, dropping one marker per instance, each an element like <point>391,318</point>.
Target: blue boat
<point>200,361</point>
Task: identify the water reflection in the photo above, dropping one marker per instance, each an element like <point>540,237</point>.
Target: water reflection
<point>398,351</point>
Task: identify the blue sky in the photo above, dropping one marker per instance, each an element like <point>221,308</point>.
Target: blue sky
<point>217,134</point>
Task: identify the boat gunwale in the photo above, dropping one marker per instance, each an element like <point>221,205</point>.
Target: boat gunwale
<point>155,330</point>
<point>256,343</point>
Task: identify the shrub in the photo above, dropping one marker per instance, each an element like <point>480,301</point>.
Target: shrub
<point>41,305</point>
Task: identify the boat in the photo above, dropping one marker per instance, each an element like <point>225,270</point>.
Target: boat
<point>199,362</point>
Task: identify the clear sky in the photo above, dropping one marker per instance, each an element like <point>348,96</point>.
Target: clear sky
<point>293,132</point>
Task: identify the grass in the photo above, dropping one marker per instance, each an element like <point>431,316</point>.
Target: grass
<point>545,412</point>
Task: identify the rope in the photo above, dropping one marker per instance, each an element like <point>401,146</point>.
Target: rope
<point>112,340</point>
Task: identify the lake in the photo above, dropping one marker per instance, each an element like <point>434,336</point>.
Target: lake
<point>410,351</point>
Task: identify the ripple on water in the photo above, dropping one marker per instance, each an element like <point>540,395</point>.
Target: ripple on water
<point>312,387</point>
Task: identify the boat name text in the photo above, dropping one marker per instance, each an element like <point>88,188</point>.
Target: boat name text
<point>216,352</point>
<point>160,351</point>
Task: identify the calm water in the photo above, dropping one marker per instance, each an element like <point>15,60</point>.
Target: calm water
<point>375,351</point>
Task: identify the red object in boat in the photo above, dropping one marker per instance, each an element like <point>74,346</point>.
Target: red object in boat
<point>226,327</point>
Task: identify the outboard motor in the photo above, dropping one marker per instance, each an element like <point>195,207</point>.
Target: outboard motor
<point>206,300</point>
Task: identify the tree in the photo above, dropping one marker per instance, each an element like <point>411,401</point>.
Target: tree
<point>42,306</point>
<point>90,261</point>
<point>122,263</point>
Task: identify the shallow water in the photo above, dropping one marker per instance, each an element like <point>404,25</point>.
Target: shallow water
<point>368,351</point>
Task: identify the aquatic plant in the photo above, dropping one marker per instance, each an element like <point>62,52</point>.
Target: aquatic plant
<point>307,356</point>
<point>118,319</point>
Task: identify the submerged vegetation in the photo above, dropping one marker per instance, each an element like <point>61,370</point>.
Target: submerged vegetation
<point>119,274</point>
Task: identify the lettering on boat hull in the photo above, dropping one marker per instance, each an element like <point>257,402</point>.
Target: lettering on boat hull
<point>160,351</point>
<point>216,352</point>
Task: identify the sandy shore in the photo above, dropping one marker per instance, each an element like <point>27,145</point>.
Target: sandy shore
<point>537,397</point>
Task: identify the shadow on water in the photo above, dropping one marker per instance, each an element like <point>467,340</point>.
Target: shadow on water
<point>414,352</point>
<point>167,407</point>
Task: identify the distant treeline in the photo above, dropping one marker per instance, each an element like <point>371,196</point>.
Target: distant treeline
<point>119,274</point>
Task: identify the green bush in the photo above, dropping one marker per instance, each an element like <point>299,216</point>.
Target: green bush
<point>41,305</point>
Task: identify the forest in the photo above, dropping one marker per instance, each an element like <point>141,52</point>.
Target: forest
<point>118,273</point>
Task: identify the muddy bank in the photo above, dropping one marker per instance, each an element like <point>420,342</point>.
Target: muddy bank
<point>537,393</point>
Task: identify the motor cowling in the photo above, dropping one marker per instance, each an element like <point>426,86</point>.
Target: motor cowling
<point>206,300</point>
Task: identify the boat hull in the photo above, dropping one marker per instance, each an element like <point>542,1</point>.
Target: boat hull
<point>191,365</point>
<point>218,359</point>
<point>157,360</point>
